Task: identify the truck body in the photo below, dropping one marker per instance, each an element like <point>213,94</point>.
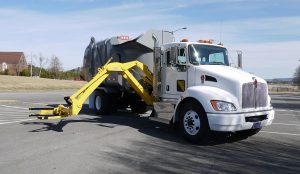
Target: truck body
<point>194,85</point>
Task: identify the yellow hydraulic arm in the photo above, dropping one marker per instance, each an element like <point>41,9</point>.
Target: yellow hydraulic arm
<point>76,100</point>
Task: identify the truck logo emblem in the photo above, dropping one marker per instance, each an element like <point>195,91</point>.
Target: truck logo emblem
<point>202,78</point>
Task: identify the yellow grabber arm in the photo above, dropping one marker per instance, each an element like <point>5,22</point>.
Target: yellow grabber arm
<point>76,100</point>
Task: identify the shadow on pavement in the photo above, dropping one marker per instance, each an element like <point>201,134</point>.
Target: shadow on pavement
<point>166,152</point>
<point>285,102</point>
<point>293,106</point>
<point>127,118</point>
<point>57,127</point>
<point>249,156</point>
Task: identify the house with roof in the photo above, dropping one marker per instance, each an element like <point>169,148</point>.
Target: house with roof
<point>12,62</point>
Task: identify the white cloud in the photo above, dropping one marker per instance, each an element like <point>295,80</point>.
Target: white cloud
<point>252,30</point>
<point>266,58</point>
<point>270,60</point>
<point>67,34</point>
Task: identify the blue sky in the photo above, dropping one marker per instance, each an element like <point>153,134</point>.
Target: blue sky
<point>267,31</point>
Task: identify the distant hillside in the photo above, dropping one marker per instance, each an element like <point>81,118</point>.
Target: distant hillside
<point>280,80</point>
<point>18,83</point>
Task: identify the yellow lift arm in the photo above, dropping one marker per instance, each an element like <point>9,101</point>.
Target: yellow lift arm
<point>76,100</point>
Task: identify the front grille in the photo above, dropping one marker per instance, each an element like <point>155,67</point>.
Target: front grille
<point>254,97</point>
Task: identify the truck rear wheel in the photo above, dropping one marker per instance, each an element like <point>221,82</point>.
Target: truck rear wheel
<point>138,107</point>
<point>193,123</point>
<point>104,103</point>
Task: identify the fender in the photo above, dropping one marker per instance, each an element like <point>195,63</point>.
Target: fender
<point>204,94</point>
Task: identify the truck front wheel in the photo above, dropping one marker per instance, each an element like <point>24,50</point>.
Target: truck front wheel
<point>193,123</point>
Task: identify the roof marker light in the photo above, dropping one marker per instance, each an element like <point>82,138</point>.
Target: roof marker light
<point>184,40</point>
<point>210,41</point>
<point>123,37</point>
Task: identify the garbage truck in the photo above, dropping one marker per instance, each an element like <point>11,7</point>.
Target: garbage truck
<point>189,84</point>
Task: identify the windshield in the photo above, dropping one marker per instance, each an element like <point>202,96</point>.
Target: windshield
<point>207,55</point>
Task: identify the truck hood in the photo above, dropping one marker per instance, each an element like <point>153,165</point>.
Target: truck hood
<point>225,77</point>
<point>228,73</point>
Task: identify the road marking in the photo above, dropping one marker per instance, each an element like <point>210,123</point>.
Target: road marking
<point>51,102</point>
<point>36,103</point>
<point>287,124</point>
<point>13,111</point>
<point>12,119</point>
<point>14,107</point>
<point>8,101</point>
<point>280,133</point>
<point>285,110</point>
<point>293,115</point>
<point>14,116</point>
<point>18,121</point>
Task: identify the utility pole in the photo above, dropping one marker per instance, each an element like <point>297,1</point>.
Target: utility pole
<point>184,28</point>
<point>240,63</point>
<point>172,32</point>
<point>31,64</point>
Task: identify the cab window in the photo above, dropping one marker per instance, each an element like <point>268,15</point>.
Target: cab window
<point>181,56</point>
<point>168,58</point>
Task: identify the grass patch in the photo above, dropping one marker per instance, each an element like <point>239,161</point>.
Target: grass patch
<point>18,83</point>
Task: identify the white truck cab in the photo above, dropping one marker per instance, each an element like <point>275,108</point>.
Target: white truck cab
<point>193,84</point>
<point>206,93</point>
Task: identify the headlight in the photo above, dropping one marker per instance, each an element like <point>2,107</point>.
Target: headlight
<point>222,106</point>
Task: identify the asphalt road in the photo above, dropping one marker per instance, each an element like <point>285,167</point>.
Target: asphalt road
<point>129,143</point>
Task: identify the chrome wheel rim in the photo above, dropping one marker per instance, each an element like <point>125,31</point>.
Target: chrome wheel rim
<point>98,103</point>
<point>191,122</point>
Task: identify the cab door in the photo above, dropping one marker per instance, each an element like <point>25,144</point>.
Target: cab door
<point>175,72</point>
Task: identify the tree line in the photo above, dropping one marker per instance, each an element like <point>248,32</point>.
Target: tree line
<point>296,78</point>
<point>44,67</point>
<point>41,66</point>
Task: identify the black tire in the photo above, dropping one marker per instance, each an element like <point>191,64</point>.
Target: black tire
<point>104,103</point>
<point>138,107</point>
<point>247,133</point>
<point>190,128</point>
<point>122,104</point>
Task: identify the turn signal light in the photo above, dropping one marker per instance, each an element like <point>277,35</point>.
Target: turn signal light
<point>184,40</point>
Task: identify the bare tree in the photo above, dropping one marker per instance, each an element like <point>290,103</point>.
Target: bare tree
<point>296,79</point>
<point>55,66</point>
<point>42,61</point>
